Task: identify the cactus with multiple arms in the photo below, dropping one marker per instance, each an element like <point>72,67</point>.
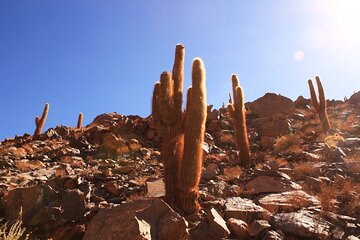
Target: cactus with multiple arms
<point>80,120</point>
<point>40,122</point>
<point>182,132</point>
<point>238,116</point>
<point>320,106</point>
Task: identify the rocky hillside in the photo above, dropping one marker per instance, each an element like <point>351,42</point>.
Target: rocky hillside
<point>104,181</point>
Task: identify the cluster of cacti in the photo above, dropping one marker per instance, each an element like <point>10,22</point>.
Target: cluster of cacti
<point>320,106</point>
<point>182,132</point>
<point>41,121</point>
<point>238,115</point>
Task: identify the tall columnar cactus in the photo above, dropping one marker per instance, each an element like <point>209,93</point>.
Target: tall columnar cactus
<point>40,122</point>
<point>182,132</point>
<point>320,106</point>
<point>80,120</point>
<point>238,115</point>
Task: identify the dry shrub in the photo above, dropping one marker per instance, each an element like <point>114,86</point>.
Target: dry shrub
<point>231,173</point>
<point>301,170</point>
<point>327,198</point>
<point>334,140</point>
<point>13,232</point>
<point>299,200</point>
<point>288,143</point>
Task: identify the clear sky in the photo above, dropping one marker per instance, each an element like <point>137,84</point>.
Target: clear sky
<point>104,56</point>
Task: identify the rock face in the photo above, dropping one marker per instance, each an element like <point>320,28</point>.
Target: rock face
<point>239,228</point>
<point>272,104</point>
<point>217,224</point>
<point>269,184</point>
<point>244,209</point>
<point>303,224</point>
<point>145,219</point>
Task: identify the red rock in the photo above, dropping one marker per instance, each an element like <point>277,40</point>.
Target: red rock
<point>355,98</point>
<point>271,104</point>
<point>144,219</point>
<point>112,187</point>
<point>271,127</point>
<point>217,225</point>
<point>239,228</point>
<point>268,184</point>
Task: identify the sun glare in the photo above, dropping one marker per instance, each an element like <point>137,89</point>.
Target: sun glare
<point>299,55</point>
<point>343,22</point>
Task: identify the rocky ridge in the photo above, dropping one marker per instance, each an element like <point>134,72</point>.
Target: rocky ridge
<point>105,179</point>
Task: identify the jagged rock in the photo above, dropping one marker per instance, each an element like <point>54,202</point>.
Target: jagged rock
<point>271,104</point>
<point>210,171</point>
<point>212,114</point>
<point>303,224</point>
<point>155,188</point>
<point>134,145</point>
<point>71,232</point>
<point>110,141</point>
<point>239,228</point>
<point>144,219</point>
<point>271,127</point>
<point>268,184</point>
<point>272,235</point>
<point>244,209</point>
<point>258,228</point>
<point>25,165</point>
<point>112,187</point>
<point>355,98</point>
<point>30,200</point>
<point>217,225</point>
<point>302,102</point>
<point>73,205</point>
<point>287,201</point>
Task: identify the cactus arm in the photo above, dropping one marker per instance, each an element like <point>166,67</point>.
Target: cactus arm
<point>194,137</point>
<point>178,77</point>
<point>41,122</point>
<point>80,120</point>
<point>314,100</point>
<point>322,99</point>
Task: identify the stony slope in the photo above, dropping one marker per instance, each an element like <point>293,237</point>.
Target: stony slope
<point>105,180</point>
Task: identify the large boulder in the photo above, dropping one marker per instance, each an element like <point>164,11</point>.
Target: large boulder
<point>245,210</point>
<point>302,224</point>
<point>270,184</point>
<point>287,201</point>
<point>144,219</point>
<point>271,127</point>
<point>271,104</point>
<point>355,98</point>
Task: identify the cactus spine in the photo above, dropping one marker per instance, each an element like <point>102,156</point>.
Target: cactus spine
<point>80,120</point>
<point>182,132</point>
<point>238,116</point>
<point>320,106</point>
<point>40,122</point>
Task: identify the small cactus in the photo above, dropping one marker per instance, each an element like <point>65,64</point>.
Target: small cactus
<point>182,132</point>
<point>320,106</point>
<point>238,115</point>
<point>40,122</point>
<point>80,121</point>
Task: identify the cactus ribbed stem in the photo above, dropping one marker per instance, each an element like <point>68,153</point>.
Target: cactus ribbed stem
<point>40,122</point>
<point>320,106</point>
<point>238,115</point>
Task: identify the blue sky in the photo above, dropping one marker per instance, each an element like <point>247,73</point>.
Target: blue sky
<point>104,56</point>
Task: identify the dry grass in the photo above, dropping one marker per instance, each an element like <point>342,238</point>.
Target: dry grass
<point>301,170</point>
<point>288,143</point>
<point>14,231</point>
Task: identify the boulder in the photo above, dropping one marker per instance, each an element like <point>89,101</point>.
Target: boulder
<point>302,102</point>
<point>143,219</point>
<point>271,127</point>
<point>111,142</point>
<point>244,209</point>
<point>272,104</point>
<point>217,225</point>
<point>302,224</point>
<point>239,228</point>
<point>287,201</point>
<point>258,228</point>
<point>269,184</point>
<point>355,98</point>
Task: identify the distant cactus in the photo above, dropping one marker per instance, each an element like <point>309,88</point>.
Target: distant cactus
<point>238,116</point>
<point>182,132</point>
<point>40,122</point>
<point>80,120</point>
<point>320,106</point>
